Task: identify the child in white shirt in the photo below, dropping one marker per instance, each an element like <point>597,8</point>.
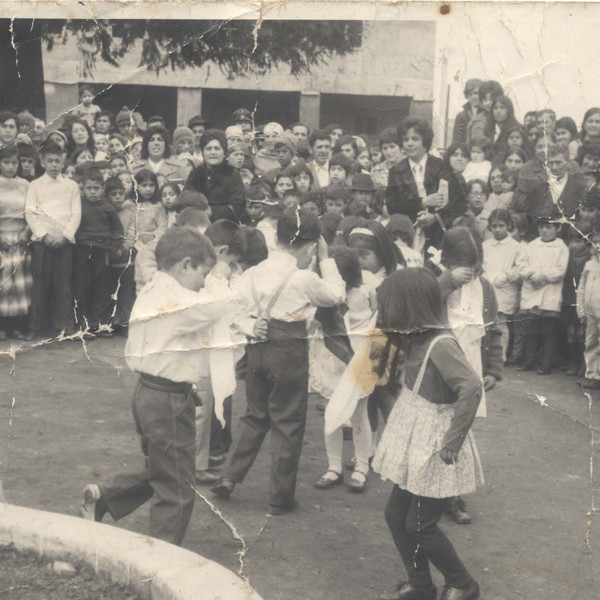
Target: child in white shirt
<point>479,166</point>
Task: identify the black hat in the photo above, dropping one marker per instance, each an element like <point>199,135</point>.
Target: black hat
<point>198,120</point>
<point>242,114</point>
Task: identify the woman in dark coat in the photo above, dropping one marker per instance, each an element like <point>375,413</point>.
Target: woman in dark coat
<point>502,123</point>
<point>219,182</point>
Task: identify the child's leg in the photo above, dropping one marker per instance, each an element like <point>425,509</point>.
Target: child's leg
<point>532,339</point>
<point>592,348</point>
<point>503,325</point>
<point>83,282</point>
<point>62,274</point>
<point>362,436</point>
<point>39,314</point>
<point>413,523</point>
<point>549,327</point>
<point>334,444</point>
<point>102,303</point>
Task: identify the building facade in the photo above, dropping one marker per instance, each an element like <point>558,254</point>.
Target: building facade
<point>389,76</point>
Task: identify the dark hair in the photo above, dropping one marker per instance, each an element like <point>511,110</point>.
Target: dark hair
<point>178,243</point>
<point>105,113</point>
<point>9,151</point>
<point>520,222</point>
<point>256,246</point>
<point>227,233</point>
<point>148,175</point>
<point>191,217</point>
<point>461,247</point>
<point>214,134</point>
<point>298,167</point>
<point>112,184</point>
<point>481,183</point>
<point>588,113</point>
<point>380,242</point>
<point>422,127</point>
<point>6,115</point>
<point>348,264</point>
<point>298,227</point>
<point>388,136</point>
<point>50,147</point>
<point>192,199</point>
<point>73,158</point>
<point>332,127</point>
<point>299,124</point>
<point>341,160</point>
<point>490,87</point>
<point>590,147</point>
<point>280,176</point>
<point>568,124</point>
<point>471,85</point>
<point>156,129</point>
<point>409,301</point>
<point>316,135</point>
<point>483,143</point>
<point>26,151</point>
<point>452,148</point>
<point>90,143</point>
<point>93,174</point>
<point>86,88</point>
<point>344,140</point>
<point>315,197</point>
<point>119,155</point>
<point>501,214</point>
<point>518,151</point>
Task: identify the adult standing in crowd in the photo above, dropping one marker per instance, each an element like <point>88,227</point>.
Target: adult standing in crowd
<point>481,125</point>
<point>319,142</point>
<point>471,108</point>
<point>156,156</point>
<point>219,182</point>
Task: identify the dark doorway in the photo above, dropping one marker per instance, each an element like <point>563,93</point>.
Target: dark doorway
<point>148,100</point>
<point>281,107</point>
<point>363,114</point>
<point>21,70</point>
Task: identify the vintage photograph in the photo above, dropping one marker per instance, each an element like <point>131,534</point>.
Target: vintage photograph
<point>298,300</point>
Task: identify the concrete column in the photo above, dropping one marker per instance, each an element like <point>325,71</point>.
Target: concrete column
<point>189,104</point>
<point>310,109</point>
<point>60,97</point>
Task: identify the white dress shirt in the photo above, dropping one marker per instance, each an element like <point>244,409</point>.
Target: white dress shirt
<point>170,330</point>
<point>418,170</point>
<point>53,206</point>
<point>321,172</point>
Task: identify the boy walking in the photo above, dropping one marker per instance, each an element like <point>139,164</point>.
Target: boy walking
<point>167,347</point>
<point>53,213</point>
<point>283,293</point>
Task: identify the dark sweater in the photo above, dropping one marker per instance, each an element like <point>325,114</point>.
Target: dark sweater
<point>100,225</point>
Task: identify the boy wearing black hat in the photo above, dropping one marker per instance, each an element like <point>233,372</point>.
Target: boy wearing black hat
<point>284,292</point>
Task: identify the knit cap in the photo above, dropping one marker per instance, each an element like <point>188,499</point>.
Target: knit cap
<point>182,133</point>
<point>123,116</point>
<point>288,140</point>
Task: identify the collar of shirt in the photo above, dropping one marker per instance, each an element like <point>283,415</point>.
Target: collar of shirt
<point>47,179</point>
<point>422,163</point>
<point>501,242</point>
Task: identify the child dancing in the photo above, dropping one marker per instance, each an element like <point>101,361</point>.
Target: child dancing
<point>427,450</point>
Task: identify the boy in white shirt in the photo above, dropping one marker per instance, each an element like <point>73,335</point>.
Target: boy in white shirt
<point>53,213</point>
<point>284,293</point>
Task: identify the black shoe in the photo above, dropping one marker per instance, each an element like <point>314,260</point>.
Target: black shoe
<point>207,477</point>
<point>457,511</point>
<point>526,367</point>
<point>407,591</point>
<point>277,511</point>
<point>223,489</point>
<point>471,592</point>
<point>589,384</point>
<point>326,483</point>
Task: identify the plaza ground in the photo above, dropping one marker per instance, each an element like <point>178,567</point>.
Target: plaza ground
<point>66,421</point>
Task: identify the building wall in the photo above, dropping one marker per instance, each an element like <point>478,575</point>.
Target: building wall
<point>395,60</point>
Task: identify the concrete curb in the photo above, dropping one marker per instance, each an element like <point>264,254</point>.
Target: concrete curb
<point>155,569</point>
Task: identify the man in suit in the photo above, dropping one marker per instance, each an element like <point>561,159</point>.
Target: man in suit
<point>414,183</point>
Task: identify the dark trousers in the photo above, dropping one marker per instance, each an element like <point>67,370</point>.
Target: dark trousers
<point>164,419</point>
<point>51,297</point>
<point>123,281</point>
<point>277,399</point>
<point>413,523</point>
<point>220,437</point>
<point>540,341</point>
<point>93,286</point>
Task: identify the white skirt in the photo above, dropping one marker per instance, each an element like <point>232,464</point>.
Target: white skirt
<point>409,451</point>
